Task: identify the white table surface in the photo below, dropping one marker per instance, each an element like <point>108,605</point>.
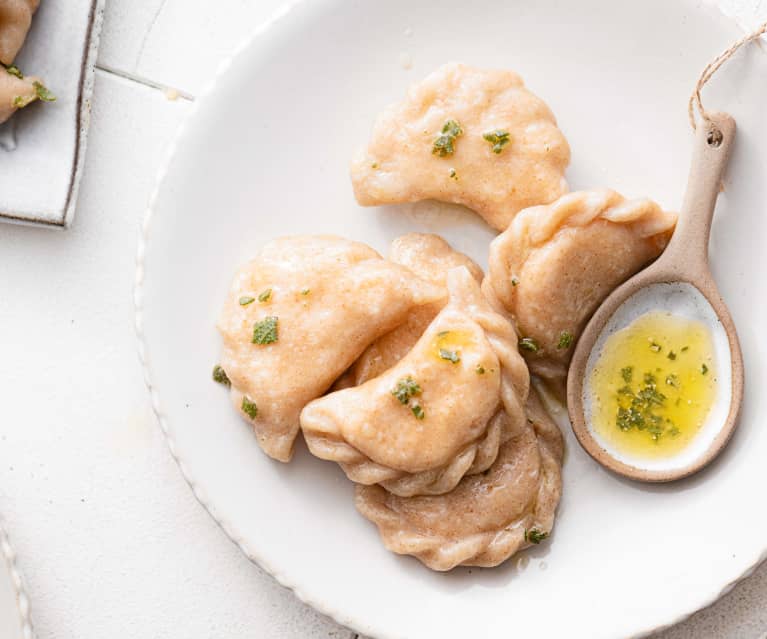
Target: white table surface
<point>110,539</point>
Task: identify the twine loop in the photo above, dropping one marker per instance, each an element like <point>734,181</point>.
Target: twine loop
<point>715,137</point>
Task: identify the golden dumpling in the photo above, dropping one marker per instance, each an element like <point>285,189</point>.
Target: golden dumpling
<point>15,20</point>
<point>487,517</point>
<point>471,136</point>
<point>430,258</point>
<point>439,413</point>
<point>556,263</point>
<point>297,316</point>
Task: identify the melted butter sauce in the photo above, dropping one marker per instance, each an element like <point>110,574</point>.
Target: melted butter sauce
<point>448,344</point>
<point>653,385</point>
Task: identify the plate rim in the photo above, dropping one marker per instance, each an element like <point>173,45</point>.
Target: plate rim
<point>288,8</point>
<point>22,599</point>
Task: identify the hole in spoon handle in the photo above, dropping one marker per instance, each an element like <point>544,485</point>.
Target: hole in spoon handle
<point>688,249</point>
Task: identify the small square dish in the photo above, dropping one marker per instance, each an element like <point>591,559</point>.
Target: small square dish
<point>42,147</point>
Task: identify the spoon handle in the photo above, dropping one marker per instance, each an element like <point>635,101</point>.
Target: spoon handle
<point>688,249</point>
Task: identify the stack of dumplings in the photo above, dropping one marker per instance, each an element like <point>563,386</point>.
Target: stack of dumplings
<point>413,373</point>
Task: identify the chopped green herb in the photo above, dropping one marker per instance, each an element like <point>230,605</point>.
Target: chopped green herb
<point>451,356</point>
<point>480,369</point>
<point>246,299</point>
<point>565,340</point>
<point>249,407</point>
<point>637,409</point>
<point>703,369</point>
<point>266,331</point>
<point>219,375</point>
<point>14,70</point>
<point>655,348</point>
<point>685,348</point>
<point>535,536</point>
<point>673,431</point>
<point>445,143</point>
<point>305,291</point>
<point>443,333</point>
<point>20,101</point>
<point>265,296</point>
<point>43,93</point>
<point>672,380</point>
<point>417,411</point>
<point>671,355</point>
<point>374,165</point>
<point>514,281</point>
<point>529,344</point>
<point>498,138</point>
<point>453,174</point>
<point>406,388</point>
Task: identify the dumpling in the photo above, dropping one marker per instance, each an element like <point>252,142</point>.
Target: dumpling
<point>15,20</point>
<point>430,257</point>
<point>471,136</point>
<point>488,517</point>
<point>297,316</point>
<point>555,264</point>
<point>16,92</point>
<point>441,412</point>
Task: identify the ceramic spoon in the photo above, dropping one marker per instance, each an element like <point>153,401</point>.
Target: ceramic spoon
<point>679,281</point>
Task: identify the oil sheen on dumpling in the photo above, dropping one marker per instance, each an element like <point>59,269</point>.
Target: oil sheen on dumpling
<point>430,257</point>
<point>441,412</point>
<point>488,517</point>
<point>15,20</point>
<point>15,92</point>
<point>297,316</point>
<point>405,162</point>
<point>555,264</point>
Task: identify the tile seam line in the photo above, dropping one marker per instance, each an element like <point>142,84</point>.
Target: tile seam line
<point>136,79</point>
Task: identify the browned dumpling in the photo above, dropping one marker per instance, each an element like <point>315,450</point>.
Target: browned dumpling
<point>297,316</point>
<point>555,264</point>
<point>439,413</point>
<point>488,517</point>
<point>430,257</point>
<point>471,136</point>
<point>16,92</point>
<point>15,20</point>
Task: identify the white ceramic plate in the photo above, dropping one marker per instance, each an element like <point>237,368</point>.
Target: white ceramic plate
<point>42,147</point>
<point>15,620</point>
<point>265,153</point>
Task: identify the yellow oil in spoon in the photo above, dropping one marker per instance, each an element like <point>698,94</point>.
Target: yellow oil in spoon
<point>653,385</point>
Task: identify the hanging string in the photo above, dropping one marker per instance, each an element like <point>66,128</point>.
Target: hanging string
<point>711,69</point>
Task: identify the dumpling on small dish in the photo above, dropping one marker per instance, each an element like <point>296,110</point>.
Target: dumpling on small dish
<point>17,91</point>
<point>430,257</point>
<point>441,412</point>
<point>15,20</point>
<point>475,137</point>
<point>297,316</point>
<point>555,264</point>
<point>488,517</point>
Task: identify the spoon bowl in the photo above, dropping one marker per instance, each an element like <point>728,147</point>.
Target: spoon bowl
<point>679,283</point>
